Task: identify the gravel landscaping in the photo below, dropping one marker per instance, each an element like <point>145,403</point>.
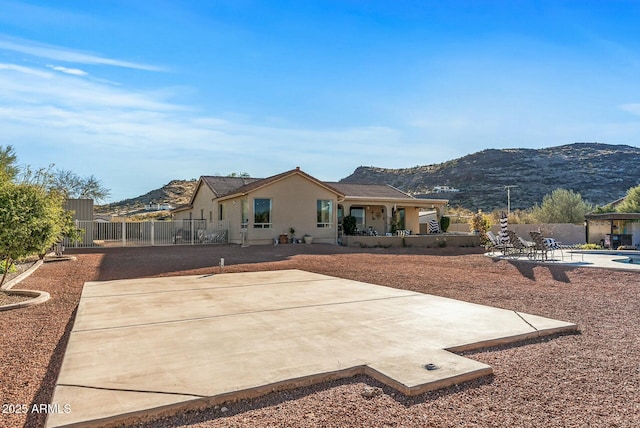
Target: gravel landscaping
<point>8,298</point>
<point>587,379</point>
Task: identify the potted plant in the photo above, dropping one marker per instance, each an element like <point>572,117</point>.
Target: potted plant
<point>308,239</point>
<point>292,235</point>
<point>444,223</point>
<point>349,225</point>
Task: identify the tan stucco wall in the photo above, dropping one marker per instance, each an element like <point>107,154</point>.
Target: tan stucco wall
<point>429,241</point>
<point>202,208</point>
<point>293,204</point>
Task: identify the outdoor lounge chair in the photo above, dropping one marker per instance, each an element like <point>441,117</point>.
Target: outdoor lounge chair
<point>493,243</point>
<point>519,246</point>
<point>544,245</point>
<point>540,247</point>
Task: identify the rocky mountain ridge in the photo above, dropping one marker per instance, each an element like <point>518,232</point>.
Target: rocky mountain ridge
<point>175,193</point>
<point>601,173</point>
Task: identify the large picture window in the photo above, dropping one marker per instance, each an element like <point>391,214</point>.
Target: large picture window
<point>262,213</point>
<point>325,213</point>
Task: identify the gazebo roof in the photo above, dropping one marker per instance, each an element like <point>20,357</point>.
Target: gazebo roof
<point>613,216</point>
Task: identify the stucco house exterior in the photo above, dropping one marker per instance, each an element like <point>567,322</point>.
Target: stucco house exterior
<point>257,211</point>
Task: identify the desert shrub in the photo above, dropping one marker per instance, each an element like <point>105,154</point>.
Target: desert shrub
<point>480,224</point>
<point>3,266</point>
<point>444,223</point>
<point>349,225</point>
<point>561,206</point>
<point>589,247</point>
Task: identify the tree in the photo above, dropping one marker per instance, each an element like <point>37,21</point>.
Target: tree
<point>239,174</point>
<point>480,223</point>
<point>631,202</point>
<point>31,221</point>
<point>561,206</point>
<point>74,186</point>
<point>8,164</point>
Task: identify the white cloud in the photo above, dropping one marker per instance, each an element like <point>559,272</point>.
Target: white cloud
<point>58,118</point>
<point>633,108</point>
<point>73,71</point>
<point>20,84</point>
<point>25,70</point>
<point>68,55</point>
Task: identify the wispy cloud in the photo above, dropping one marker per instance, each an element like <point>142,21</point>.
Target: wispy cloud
<point>73,71</point>
<point>633,108</point>
<point>26,70</point>
<point>58,114</point>
<point>19,83</point>
<point>68,55</point>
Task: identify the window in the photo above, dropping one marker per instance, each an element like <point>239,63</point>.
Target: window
<point>401,218</point>
<point>325,213</point>
<point>262,213</point>
<point>244,208</point>
<point>221,212</point>
<point>358,213</point>
<point>210,216</point>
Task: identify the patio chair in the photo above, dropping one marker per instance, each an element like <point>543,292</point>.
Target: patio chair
<point>553,245</point>
<point>540,246</point>
<point>493,243</point>
<point>520,247</point>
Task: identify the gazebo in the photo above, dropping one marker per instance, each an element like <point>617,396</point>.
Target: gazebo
<point>613,230</point>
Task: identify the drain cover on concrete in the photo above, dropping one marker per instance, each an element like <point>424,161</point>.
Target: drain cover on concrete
<point>143,347</point>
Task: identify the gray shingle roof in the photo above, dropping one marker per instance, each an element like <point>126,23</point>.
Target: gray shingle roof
<point>260,182</point>
<point>369,190</point>
<point>224,185</point>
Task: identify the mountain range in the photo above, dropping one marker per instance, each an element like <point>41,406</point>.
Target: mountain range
<point>601,173</point>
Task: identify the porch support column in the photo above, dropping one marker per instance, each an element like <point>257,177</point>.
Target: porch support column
<point>388,217</point>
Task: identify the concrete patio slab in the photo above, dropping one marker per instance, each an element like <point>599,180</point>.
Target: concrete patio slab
<point>147,347</point>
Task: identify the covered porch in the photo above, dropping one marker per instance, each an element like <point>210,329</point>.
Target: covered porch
<point>384,217</point>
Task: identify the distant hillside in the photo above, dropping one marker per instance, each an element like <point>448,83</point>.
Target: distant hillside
<point>601,173</point>
<point>175,193</point>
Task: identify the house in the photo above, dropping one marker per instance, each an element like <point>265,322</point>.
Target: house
<point>258,211</point>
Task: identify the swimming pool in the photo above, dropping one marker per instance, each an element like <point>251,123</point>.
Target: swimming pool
<point>630,259</point>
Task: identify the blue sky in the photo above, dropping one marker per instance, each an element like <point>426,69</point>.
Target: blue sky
<point>141,92</point>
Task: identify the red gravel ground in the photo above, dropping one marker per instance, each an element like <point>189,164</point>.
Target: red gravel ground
<point>590,379</point>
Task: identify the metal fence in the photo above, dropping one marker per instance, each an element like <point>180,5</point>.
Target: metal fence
<point>148,233</point>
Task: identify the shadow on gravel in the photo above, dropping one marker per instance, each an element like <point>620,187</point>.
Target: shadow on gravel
<point>137,262</point>
<point>526,269</point>
<point>370,390</point>
<point>45,391</point>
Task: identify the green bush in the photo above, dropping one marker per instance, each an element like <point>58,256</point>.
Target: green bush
<point>589,247</point>
<point>444,223</point>
<point>480,224</point>
<point>3,267</point>
<point>349,225</point>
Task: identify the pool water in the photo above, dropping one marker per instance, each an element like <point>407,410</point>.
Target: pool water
<point>635,260</point>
